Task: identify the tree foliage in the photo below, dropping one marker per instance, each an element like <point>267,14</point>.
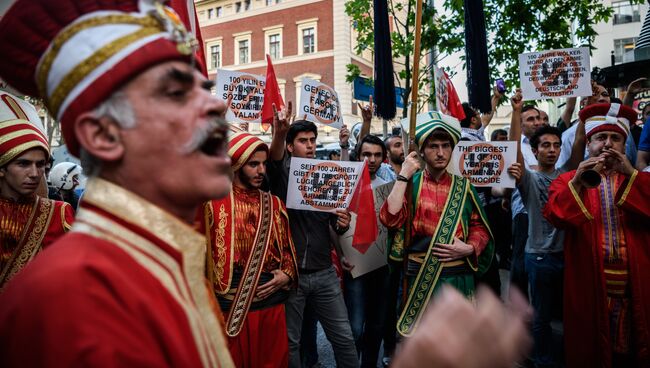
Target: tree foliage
<point>513,26</point>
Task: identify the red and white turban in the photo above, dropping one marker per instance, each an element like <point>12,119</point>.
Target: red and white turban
<point>607,117</point>
<point>20,128</point>
<point>75,54</point>
<point>241,147</point>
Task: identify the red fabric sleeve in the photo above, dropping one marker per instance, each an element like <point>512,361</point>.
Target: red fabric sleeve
<point>565,207</point>
<point>634,194</point>
<point>393,222</point>
<point>288,258</point>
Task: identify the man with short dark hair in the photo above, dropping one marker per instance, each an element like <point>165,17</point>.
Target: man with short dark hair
<point>395,151</point>
<point>318,285</point>
<point>543,252</point>
<point>499,135</point>
<point>366,296</point>
<point>606,298</point>
<point>450,238</point>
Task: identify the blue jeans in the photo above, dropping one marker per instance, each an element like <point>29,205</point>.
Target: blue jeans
<point>545,274</point>
<point>366,298</point>
<point>322,292</point>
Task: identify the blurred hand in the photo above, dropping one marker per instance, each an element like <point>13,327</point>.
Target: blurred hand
<point>282,119</point>
<point>517,101</point>
<point>344,135</point>
<point>515,170</point>
<point>344,218</point>
<point>367,111</point>
<point>455,333</point>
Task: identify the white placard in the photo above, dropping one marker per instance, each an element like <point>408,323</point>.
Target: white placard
<point>320,104</point>
<point>376,256</point>
<point>321,185</point>
<point>555,73</point>
<point>246,92</point>
<point>485,164</point>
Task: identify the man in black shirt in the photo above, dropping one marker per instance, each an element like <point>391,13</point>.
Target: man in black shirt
<point>318,285</point>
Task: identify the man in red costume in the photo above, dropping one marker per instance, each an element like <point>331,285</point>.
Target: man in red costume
<point>28,223</point>
<point>607,247</point>
<point>126,286</point>
<point>251,259</point>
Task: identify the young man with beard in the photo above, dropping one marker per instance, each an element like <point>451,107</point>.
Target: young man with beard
<point>126,287</point>
<point>450,237</point>
<point>606,289</point>
<point>251,259</point>
<point>318,286</point>
<point>28,222</point>
<point>543,254</point>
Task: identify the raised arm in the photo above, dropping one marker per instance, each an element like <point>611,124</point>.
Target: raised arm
<point>633,88</point>
<point>578,148</point>
<point>487,118</point>
<point>366,115</point>
<point>344,143</point>
<point>569,108</point>
<point>281,122</point>
<point>517,102</point>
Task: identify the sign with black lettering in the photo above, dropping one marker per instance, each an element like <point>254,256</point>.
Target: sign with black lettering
<point>485,164</point>
<point>321,185</point>
<point>320,104</point>
<point>555,73</point>
<point>245,92</point>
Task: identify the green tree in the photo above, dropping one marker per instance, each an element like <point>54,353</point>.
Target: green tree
<point>513,27</point>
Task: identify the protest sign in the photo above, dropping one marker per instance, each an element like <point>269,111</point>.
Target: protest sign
<point>485,164</point>
<point>320,103</point>
<point>375,257</point>
<point>320,185</point>
<point>247,93</point>
<point>555,73</point>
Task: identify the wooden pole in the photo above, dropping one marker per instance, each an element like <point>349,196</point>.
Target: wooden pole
<point>412,146</point>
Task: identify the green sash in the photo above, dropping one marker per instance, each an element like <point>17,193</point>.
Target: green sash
<point>461,200</point>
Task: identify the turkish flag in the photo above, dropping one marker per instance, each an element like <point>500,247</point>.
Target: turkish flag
<point>363,204</point>
<point>271,95</point>
<point>446,95</point>
<point>186,11</point>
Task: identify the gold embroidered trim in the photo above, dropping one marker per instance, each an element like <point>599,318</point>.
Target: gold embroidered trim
<point>628,187</point>
<point>16,134</point>
<point>15,107</point>
<point>66,34</point>
<point>12,153</point>
<point>580,203</point>
<point>31,239</point>
<point>64,222</point>
<point>250,277</point>
<point>84,68</point>
<point>221,247</point>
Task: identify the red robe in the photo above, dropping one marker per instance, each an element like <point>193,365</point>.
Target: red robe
<point>125,288</point>
<point>230,224</point>
<point>26,227</point>
<point>588,240</point>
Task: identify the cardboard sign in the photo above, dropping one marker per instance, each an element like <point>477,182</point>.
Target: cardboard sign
<point>247,93</point>
<point>320,103</point>
<point>555,73</point>
<point>321,185</point>
<point>485,164</point>
<point>376,256</point>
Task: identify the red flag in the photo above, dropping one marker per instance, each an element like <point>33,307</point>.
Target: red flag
<point>271,95</point>
<point>446,96</point>
<point>363,204</point>
<point>186,11</point>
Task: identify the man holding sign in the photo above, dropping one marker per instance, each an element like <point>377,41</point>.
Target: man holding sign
<point>318,285</point>
<point>450,237</point>
<point>251,260</point>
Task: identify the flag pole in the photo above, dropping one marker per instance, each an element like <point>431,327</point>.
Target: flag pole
<point>412,146</point>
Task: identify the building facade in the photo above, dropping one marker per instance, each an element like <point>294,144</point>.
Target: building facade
<point>305,38</point>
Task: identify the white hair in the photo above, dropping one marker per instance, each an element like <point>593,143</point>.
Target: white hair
<point>117,108</point>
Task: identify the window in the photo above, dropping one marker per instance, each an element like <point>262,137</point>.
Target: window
<point>219,11</point>
<point>307,36</point>
<point>215,56</point>
<point>269,2</point>
<point>624,12</point>
<point>243,51</point>
<point>247,4</point>
<point>621,46</point>
<point>308,44</point>
<point>238,7</point>
<point>274,46</point>
<point>210,13</point>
